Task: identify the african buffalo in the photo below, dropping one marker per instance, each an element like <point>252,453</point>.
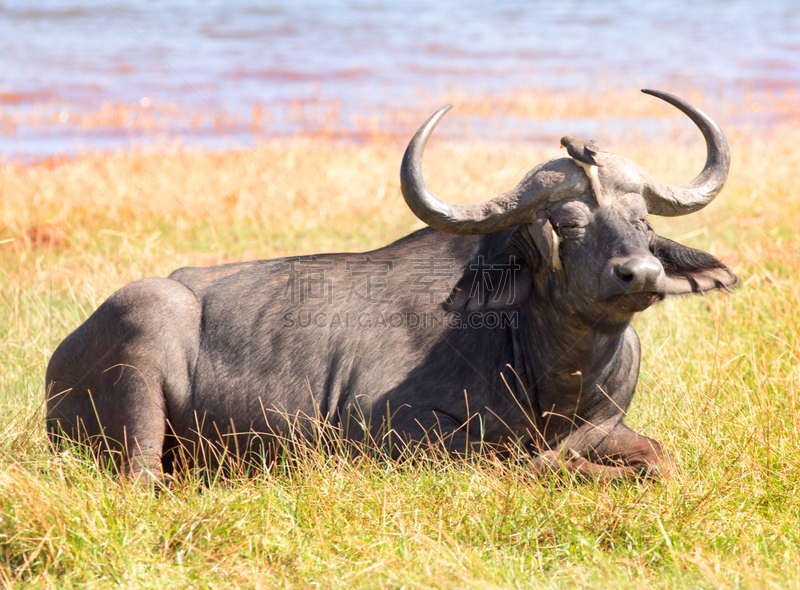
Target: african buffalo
<point>507,321</point>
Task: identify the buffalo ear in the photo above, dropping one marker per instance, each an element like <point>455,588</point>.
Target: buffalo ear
<point>500,282</point>
<point>689,270</point>
<point>547,241</point>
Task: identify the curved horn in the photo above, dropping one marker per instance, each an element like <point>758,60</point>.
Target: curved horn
<point>670,201</point>
<point>503,211</point>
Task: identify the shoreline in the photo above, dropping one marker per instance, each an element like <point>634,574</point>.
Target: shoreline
<point>45,129</point>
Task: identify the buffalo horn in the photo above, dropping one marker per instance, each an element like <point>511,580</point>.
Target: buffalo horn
<point>671,201</point>
<point>503,211</point>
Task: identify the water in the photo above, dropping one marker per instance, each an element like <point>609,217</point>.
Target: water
<point>199,67</point>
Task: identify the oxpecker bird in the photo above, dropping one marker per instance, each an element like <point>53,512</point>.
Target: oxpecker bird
<point>583,152</point>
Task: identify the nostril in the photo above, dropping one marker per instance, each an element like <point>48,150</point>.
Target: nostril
<point>624,273</point>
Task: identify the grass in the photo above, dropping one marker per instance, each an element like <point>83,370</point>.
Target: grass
<point>720,387</point>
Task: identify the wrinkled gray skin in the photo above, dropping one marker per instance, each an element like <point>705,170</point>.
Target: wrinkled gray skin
<point>187,361</point>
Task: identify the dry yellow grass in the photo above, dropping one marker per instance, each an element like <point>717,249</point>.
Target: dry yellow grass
<point>307,183</point>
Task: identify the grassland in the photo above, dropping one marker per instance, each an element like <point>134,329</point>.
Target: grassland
<point>720,386</point>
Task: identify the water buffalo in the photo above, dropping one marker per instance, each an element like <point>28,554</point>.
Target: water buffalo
<point>507,321</point>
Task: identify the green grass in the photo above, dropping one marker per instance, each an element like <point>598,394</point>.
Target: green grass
<point>719,386</point>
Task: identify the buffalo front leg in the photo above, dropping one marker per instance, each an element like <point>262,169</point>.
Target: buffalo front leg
<point>621,455</point>
<point>642,455</point>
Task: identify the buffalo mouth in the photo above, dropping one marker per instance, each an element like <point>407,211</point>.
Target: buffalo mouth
<point>633,302</point>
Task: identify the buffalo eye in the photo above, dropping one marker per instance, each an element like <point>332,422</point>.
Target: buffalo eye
<point>643,227</point>
<point>649,232</point>
<point>570,232</point>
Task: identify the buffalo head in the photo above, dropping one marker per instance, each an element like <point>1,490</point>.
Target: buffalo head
<point>598,262</point>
